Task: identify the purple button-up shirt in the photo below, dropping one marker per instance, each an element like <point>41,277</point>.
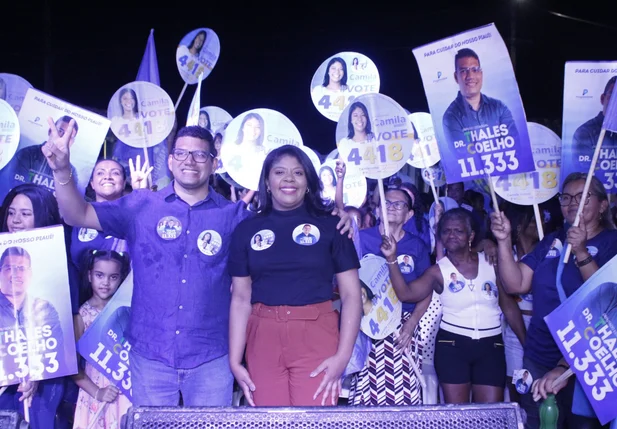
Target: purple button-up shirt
<point>181,291</point>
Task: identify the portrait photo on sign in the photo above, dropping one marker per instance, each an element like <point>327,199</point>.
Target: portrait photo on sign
<point>35,306</point>
<point>466,76</point>
<point>375,135</point>
<point>249,137</point>
<point>13,90</point>
<point>424,152</point>
<point>197,53</point>
<point>340,79</point>
<point>29,165</point>
<point>262,240</point>
<point>141,113</point>
<point>588,88</point>
<point>354,184</point>
<point>212,118</point>
<point>209,242</point>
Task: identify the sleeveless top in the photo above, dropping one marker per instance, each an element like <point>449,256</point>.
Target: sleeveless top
<point>470,306</point>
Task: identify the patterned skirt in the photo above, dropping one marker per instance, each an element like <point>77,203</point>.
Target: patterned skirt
<point>388,378</point>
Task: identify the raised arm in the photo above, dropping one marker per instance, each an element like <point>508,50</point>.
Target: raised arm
<point>513,314</point>
<point>416,290</point>
<point>73,208</point>
<point>515,276</point>
<point>341,169</point>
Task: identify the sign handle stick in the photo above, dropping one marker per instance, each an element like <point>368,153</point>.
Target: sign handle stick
<point>27,410</point>
<point>581,205</point>
<point>493,194</point>
<point>536,212</point>
<point>563,377</point>
<point>384,210</point>
<point>181,94</point>
<point>434,189</point>
<point>95,420</point>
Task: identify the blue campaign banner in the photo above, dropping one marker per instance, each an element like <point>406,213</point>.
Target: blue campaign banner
<point>584,329</point>
<point>475,104</point>
<point>587,90</point>
<point>104,346</point>
<point>36,322</point>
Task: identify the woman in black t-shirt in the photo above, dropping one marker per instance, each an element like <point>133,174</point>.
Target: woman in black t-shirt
<point>281,307</point>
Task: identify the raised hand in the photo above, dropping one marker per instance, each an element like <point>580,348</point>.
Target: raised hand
<point>56,149</point>
<point>500,226</point>
<point>139,173</point>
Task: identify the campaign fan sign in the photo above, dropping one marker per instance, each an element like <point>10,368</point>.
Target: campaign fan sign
<point>36,321</point>
<point>104,345</point>
<point>584,329</point>
<point>29,165</point>
<point>587,90</point>
<point>473,97</point>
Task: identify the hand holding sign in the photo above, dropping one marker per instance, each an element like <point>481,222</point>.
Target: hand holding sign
<point>56,149</point>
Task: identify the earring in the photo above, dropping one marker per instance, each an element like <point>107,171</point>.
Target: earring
<point>470,245</point>
<point>268,190</point>
<point>307,190</point>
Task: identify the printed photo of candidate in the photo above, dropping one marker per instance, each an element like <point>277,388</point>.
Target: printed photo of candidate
<point>197,53</point>
<point>29,164</point>
<point>472,109</point>
<point>358,124</point>
<point>586,136</point>
<point>334,80</point>
<point>204,120</point>
<point>129,106</point>
<point>3,90</point>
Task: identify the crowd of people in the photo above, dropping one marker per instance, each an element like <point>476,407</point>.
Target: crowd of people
<point>261,290</point>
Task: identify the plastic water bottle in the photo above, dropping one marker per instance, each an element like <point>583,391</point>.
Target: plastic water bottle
<point>549,413</point>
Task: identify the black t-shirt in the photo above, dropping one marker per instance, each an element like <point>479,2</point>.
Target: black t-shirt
<point>290,256</point>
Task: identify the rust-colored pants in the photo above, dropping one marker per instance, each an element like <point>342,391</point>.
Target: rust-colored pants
<point>284,345</point>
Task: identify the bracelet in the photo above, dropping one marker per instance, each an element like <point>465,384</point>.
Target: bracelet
<point>391,263</point>
<point>560,365</point>
<point>587,260</point>
<point>67,181</point>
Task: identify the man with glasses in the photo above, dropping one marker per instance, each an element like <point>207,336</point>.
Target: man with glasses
<point>30,166</point>
<point>472,112</point>
<point>178,327</point>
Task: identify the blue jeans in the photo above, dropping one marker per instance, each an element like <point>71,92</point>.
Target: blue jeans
<point>156,384</point>
<point>44,402</point>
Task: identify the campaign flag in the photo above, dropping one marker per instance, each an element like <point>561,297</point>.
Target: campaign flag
<point>588,108</point>
<point>584,328</point>
<point>193,115</point>
<point>36,322</point>
<point>157,155</point>
<point>104,345</point>
<point>473,97</point>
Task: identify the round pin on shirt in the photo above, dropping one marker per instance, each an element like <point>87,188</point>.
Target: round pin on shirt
<point>209,242</point>
<point>405,264</point>
<point>169,228</point>
<point>306,234</point>
<point>489,290</point>
<point>87,234</point>
<point>522,380</point>
<point>340,79</point>
<point>262,240</point>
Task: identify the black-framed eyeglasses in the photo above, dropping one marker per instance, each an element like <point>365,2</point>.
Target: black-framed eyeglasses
<point>198,155</point>
<point>396,205</point>
<point>466,70</point>
<point>566,199</point>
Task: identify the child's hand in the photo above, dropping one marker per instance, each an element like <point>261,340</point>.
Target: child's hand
<point>107,394</point>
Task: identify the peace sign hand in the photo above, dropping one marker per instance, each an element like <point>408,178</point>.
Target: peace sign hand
<point>56,149</point>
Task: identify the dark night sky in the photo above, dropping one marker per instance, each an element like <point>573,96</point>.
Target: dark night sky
<point>269,51</point>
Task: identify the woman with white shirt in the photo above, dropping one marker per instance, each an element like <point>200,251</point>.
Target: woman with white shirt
<point>469,354</point>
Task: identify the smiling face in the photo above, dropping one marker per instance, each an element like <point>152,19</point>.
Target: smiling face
<point>128,102</point>
<point>326,177</point>
<point>335,72</point>
<point>287,183</point>
<point>469,82</point>
<point>199,41</point>
<point>15,275</point>
<point>190,174</point>
<point>108,181</point>
<point>203,120</point>
<point>251,130</point>
<point>358,120</point>
<point>20,215</point>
